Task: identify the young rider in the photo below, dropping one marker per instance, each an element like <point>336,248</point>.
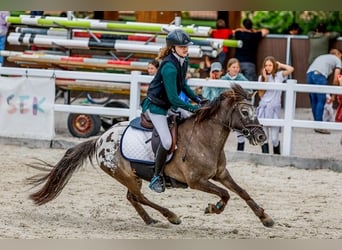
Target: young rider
<point>163,94</point>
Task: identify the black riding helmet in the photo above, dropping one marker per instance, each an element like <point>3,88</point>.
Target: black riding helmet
<point>178,37</point>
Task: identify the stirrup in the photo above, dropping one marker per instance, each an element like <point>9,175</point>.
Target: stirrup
<point>157,184</point>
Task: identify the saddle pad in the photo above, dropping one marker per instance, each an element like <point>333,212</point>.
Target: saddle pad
<point>136,146</point>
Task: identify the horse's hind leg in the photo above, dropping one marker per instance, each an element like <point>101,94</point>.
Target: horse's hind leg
<point>228,182</point>
<point>140,210</point>
<point>127,178</point>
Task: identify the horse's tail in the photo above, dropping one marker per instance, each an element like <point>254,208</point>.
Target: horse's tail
<point>61,173</point>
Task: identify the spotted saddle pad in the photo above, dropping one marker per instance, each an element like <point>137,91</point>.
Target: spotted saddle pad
<point>136,144</point>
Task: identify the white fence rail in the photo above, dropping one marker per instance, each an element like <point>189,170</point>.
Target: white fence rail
<point>135,78</point>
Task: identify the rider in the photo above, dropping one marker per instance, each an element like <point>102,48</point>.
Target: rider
<point>163,94</point>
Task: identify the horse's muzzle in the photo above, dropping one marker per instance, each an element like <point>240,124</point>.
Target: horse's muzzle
<point>258,136</point>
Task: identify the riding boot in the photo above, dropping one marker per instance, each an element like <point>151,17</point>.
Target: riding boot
<point>158,183</point>
<point>276,150</point>
<point>240,146</point>
<point>265,149</point>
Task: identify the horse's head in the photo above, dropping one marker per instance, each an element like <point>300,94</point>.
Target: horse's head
<point>233,109</point>
<point>242,116</point>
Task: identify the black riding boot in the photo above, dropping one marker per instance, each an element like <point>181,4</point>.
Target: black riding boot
<point>157,183</point>
<point>276,150</point>
<point>240,146</point>
<point>265,149</point>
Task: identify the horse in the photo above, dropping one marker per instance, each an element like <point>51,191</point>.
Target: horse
<point>198,161</point>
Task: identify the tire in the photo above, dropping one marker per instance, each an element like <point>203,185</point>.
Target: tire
<point>109,121</point>
<point>84,125</point>
<point>94,101</point>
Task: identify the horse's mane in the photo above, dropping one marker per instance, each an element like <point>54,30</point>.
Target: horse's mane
<point>235,94</point>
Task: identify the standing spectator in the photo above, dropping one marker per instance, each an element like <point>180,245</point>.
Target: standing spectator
<point>318,73</point>
<point>222,32</point>
<point>294,29</point>
<point>3,32</point>
<point>233,73</point>
<point>319,41</point>
<point>247,53</point>
<point>338,116</point>
<point>270,100</point>
<point>328,112</point>
<point>36,12</point>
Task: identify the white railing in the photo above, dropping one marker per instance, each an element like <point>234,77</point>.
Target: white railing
<point>135,78</point>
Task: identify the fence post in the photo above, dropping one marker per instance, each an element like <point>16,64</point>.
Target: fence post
<point>290,108</point>
<point>134,95</point>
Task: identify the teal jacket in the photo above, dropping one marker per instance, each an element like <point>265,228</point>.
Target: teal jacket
<point>169,75</point>
<point>212,92</point>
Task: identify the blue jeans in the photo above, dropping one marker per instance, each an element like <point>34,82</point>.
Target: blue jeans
<point>317,99</point>
<point>2,47</point>
<point>248,70</point>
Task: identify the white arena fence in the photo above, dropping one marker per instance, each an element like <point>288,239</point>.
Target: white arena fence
<point>135,78</point>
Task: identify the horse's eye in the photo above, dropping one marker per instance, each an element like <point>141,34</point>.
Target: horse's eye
<point>244,112</point>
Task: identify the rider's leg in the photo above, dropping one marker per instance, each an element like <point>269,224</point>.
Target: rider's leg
<point>160,123</point>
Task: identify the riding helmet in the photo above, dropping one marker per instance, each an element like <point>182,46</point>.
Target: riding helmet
<point>178,37</point>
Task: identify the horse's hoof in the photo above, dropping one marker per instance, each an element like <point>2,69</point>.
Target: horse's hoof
<point>152,222</point>
<point>175,220</point>
<point>267,221</point>
<point>209,209</point>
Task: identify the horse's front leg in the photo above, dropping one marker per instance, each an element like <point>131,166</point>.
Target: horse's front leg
<point>226,179</point>
<point>208,187</point>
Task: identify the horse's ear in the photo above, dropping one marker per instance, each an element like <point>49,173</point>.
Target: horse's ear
<point>251,96</point>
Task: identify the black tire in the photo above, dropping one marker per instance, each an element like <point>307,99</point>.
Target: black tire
<point>94,101</point>
<point>84,125</point>
<point>108,122</point>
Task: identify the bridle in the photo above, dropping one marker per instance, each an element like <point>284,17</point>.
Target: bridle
<point>246,129</point>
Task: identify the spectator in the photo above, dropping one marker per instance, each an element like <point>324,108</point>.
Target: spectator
<point>338,116</point>
<point>36,12</point>
<point>318,73</point>
<point>247,53</point>
<point>328,112</point>
<point>319,41</point>
<point>3,32</point>
<point>222,32</point>
<point>233,73</point>
<point>215,73</point>
<point>270,100</point>
<point>152,67</point>
<point>294,29</point>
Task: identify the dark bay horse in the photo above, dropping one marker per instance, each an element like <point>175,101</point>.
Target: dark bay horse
<point>198,160</point>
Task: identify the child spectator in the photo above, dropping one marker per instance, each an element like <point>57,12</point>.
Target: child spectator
<point>270,100</point>
<point>328,112</point>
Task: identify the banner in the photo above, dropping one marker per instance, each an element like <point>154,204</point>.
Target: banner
<point>26,107</point>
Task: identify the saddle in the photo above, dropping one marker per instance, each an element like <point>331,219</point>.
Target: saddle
<point>139,144</point>
<point>172,121</point>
